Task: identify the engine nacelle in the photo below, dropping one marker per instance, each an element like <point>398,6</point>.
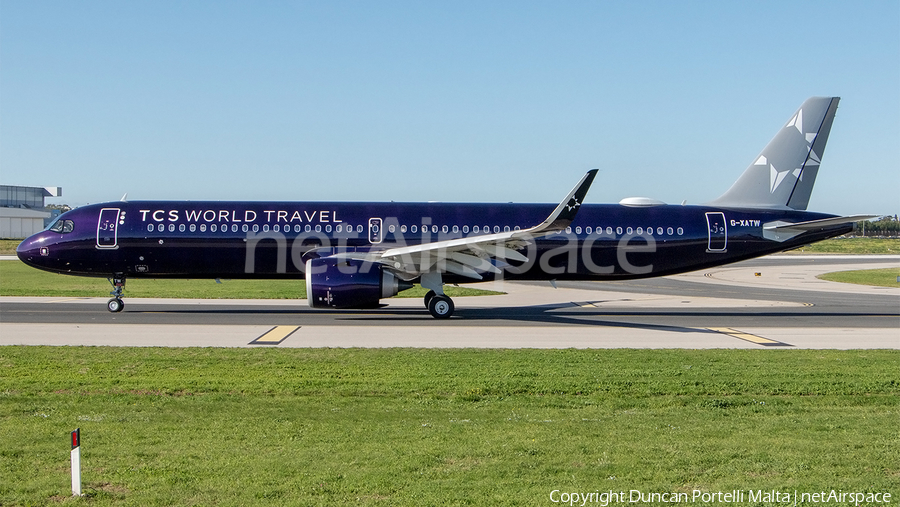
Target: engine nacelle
<point>349,283</point>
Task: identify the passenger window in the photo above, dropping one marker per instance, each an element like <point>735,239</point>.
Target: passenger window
<point>506,229</point>
<point>475,229</point>
<point>680,231</point>
<point>670,231</point>
<point>640,230</point>
<point>496,229</point>
<point>359,229</point>
<point>659,231</point>
<point>234,228</point>
<point>618,230</point>
<point>465,229</point>
<point>245,228</point>
<point>402,229</point>
<point>413,229</point>
<point>568,230</point>
<point>609,230</point>
<point>328,228</point>
<point>255,227</point>
<point>171,227</point>
<point>296,228</point>
<point>434,229</point>
<point>516,228</point>
<point>276,228</point>
<point>193,227</point>
<point>149,228</point>
<point>391,228</point>
<point>445,230</point>
<point>486,229</point>
<point>202,227</point>
<point>318,228</point>
<point>629,230</point>
<point>181,228</point>
<point>587,229</point>
<point>307,228</point>
<point>578,230</point>
<point>455,228</point>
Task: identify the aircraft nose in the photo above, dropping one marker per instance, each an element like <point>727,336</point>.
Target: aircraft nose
<point>29,249</point>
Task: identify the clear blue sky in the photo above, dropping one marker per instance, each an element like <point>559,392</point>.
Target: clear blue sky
<point>451,101</point>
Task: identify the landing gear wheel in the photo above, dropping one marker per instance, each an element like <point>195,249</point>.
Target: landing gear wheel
<point>440,307</point>
<point>428,297</point>
<point>115,305</point>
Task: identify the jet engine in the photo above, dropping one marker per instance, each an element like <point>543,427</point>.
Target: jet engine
<point>349,283</point>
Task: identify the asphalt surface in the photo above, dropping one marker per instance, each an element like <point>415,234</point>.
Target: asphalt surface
<point>771,302</point>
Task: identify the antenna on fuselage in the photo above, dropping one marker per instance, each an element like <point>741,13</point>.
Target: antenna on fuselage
<point>124,197</point>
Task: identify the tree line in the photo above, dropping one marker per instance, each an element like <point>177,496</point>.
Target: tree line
<point>887,226</point>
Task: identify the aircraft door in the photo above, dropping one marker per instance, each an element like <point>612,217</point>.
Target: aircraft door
<point>375,231</point>
<point>718,232</point>
<point>108,228</point>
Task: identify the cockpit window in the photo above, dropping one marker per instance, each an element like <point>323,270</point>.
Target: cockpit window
<point>62,226</point>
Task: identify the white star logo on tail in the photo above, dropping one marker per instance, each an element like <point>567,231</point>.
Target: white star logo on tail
<point>797,121</point>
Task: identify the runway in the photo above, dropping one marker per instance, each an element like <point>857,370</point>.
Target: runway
<point>774,302</point>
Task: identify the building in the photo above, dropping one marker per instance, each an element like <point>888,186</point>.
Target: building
<point>22,210</point>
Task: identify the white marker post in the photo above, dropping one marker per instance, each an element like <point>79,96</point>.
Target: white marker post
<point>76,462</point>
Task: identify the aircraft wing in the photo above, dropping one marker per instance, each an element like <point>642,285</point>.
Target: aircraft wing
<point>466,256</point>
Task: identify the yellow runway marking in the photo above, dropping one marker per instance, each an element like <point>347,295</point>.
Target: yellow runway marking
<point>275,336</point>
<point>759,340</point>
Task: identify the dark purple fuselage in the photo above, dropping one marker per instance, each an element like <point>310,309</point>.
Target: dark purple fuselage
<point>185,239</point>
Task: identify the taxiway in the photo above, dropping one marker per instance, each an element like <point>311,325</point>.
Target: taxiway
<point>774,302</point>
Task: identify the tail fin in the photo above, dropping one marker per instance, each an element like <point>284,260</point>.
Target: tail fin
<point>784,173</point>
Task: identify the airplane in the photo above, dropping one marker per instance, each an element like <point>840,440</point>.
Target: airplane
<point>354,254</point>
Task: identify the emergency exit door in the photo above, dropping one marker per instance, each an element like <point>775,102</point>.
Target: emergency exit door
<point>375,233</point>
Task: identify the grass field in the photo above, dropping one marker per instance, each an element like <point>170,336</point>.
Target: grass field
<point>879,277</point>
<point>441,427</point>
<point>857,246</point>
<point>17,279</point>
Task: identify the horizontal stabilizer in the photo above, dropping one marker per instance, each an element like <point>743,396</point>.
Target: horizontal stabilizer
<point>783,231</point>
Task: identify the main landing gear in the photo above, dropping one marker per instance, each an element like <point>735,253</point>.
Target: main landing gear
<point>116,305</point>
<point>439,305</point>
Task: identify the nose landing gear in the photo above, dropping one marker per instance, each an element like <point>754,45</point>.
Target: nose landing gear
<point>116,304</point>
